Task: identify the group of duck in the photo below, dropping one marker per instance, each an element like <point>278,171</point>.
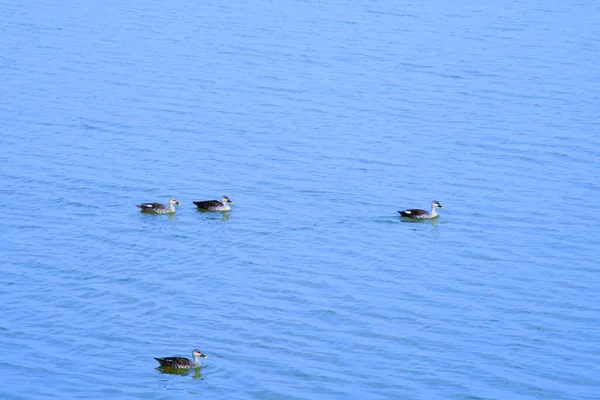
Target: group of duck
<point>207,205</point>
<point>224,205</point>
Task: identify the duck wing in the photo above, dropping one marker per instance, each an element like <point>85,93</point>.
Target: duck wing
<point>208,204</point>
<point>414,213</point>
<point>174,362</point>
<point>151,206</point>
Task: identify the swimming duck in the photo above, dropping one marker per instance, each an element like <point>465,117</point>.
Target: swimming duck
<point>157,208</point>
<point>422,214</point>
<point>182,362</point>
<point>215,205</point>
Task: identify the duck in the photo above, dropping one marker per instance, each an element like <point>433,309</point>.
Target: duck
<point>215,205</point>
<point>422,214</point>
<point>158,208</point>
<point>182,362</point>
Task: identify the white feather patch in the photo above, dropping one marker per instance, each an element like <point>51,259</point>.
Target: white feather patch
<point>407,212</point>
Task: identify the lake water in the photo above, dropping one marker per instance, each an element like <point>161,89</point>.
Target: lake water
<point>320,120</point>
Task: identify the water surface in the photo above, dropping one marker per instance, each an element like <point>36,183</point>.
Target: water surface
<point>320,121</point>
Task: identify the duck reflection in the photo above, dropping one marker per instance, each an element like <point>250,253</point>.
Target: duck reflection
<point>428,221</point>
<point>222,216</point>
<point>195,373</point>
<point>433,223</point>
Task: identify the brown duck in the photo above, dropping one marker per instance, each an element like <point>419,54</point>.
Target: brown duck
<point>215,205</point>
<point>422,214</point>
<point>182,362</point>
<point>157,208</point>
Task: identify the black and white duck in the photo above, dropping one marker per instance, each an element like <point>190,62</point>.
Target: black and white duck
<point>422,214</point>
<point>158,208</point>
<point>182,362</point>
<point>215,205</point>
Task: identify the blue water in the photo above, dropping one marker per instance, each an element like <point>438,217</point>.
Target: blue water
<point>320,120</point>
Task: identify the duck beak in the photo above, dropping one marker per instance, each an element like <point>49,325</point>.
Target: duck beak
<point>230,202</point>
<point>441,206</point>
<point>178,203</point>
<point>204,356</point>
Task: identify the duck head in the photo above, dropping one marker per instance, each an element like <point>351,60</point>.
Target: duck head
<point>198,353</point>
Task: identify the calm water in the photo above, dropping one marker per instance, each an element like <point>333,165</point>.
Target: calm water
<point>320,120</point>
